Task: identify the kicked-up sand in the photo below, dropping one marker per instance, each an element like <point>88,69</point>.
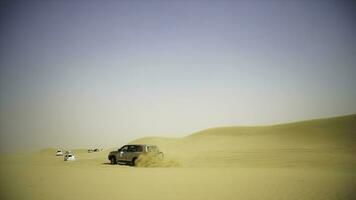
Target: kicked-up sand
<point>306,160</point>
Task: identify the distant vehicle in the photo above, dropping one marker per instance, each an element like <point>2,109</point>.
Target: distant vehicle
<point>129,153</point>
<point>94,150</point>
<point>59,153</point>
<point>69,157</point>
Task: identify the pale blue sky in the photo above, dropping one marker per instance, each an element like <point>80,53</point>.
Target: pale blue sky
<point>86,73</point>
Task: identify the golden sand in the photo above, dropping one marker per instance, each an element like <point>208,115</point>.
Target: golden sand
<point>307,160</point>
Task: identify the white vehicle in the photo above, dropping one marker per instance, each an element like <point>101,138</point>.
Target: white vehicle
<point>59,153</point>
<point>69,157</point>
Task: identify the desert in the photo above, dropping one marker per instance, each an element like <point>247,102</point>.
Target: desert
<point>304,160</point>
<point>177,100</point>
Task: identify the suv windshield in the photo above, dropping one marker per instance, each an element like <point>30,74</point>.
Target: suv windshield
<point>124,148</point>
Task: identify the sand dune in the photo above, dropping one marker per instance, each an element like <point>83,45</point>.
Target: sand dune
<point>315,143</point>
<point>305,160</point>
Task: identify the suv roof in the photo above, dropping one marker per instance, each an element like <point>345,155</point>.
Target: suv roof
<point>140,145</point>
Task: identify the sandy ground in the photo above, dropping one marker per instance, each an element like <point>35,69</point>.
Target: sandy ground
<point>309,160</point>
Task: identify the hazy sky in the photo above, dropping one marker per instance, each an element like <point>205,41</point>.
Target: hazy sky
<point>101,73</point>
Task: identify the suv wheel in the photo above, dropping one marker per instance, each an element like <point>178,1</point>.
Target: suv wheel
<point>113,160</point>
<point>133,163</point>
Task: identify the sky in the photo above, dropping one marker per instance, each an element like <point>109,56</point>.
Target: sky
<point>85,73</point>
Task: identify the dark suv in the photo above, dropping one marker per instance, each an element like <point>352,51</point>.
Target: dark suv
<point>129,153</point>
